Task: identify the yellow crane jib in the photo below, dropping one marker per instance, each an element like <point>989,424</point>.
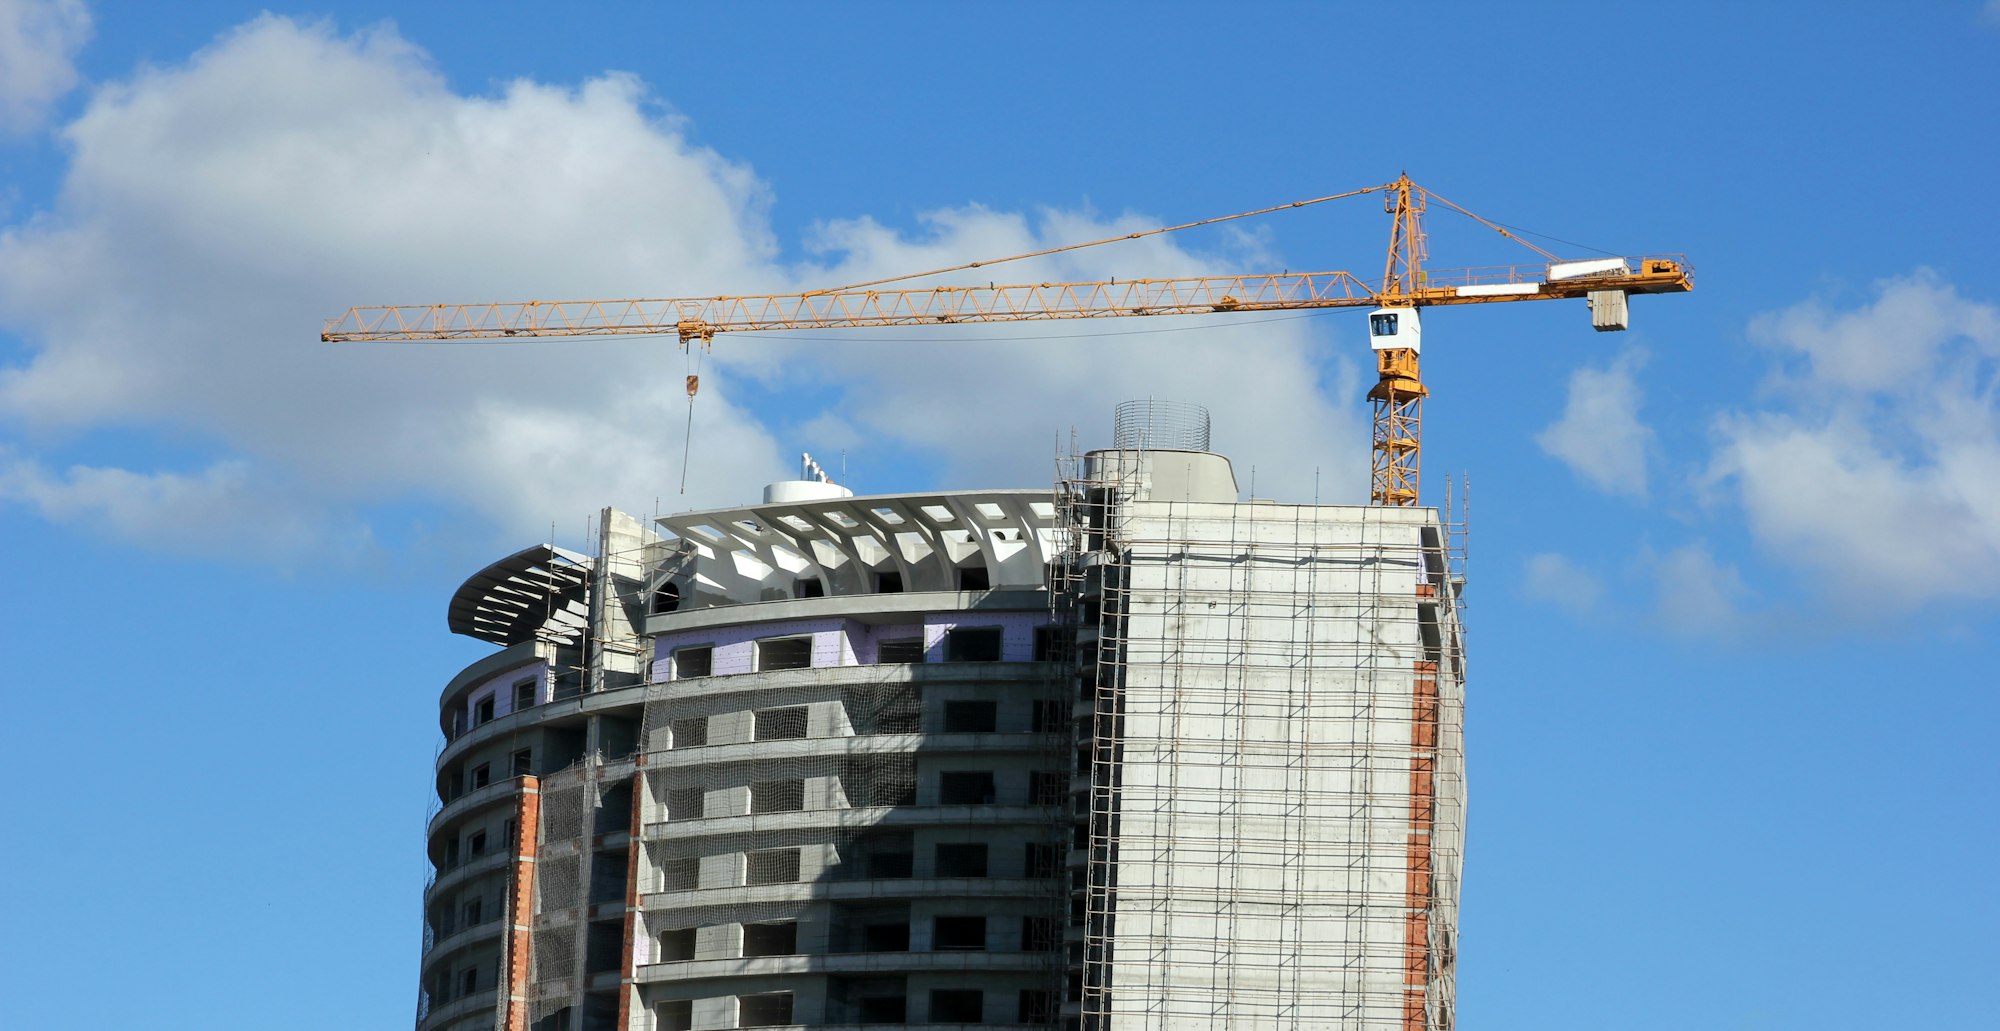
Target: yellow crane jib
<point>1406,286</point>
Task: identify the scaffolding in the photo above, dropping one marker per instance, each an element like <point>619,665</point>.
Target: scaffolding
<point>1270,777</point>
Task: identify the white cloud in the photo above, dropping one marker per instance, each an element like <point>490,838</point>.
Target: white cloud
<point>1599,435</point>
<point>214,212</point>
<point>216,511</point>
<point>38,41</point>
<point>1560,581</point>
<point>1877,465</point>
<point>1697,594</point>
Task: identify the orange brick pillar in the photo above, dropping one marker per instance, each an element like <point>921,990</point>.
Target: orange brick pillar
<point>1423,812</point>
<point>521,904</point>
<point>629,970</point>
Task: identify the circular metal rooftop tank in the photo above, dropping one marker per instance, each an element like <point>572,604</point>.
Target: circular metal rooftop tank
<point>1159,426</point>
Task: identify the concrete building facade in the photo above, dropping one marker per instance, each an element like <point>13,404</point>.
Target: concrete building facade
<point>1129,754</point>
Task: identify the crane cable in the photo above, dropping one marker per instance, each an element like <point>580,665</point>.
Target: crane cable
<point>687,435</point>
<point>1108,239</point>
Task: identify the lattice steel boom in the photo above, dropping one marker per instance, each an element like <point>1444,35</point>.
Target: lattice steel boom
<point>1405,284</point>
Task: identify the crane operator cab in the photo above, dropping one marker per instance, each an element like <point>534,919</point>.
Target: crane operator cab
<point>1394,328</point>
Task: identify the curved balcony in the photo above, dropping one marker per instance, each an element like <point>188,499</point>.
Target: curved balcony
<point>451,880</point>
<point>851,746</point>
<point>472,801</point>
<point>681,971</point>
<point>822,890</point>
<point>504,661</point>
<point>486,1001</point>
<point>864,608</point>
<point>462,939</point>
<point>856,818</point>
<point>763,681</point>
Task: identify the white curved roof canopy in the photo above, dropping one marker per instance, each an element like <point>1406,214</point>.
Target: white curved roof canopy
<point>927,539</point>
<point>541,592</point>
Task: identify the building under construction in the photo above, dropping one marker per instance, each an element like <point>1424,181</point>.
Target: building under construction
<point>1133,753</point>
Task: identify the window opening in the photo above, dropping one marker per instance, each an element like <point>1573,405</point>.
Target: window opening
<point>780,939</point>
<point>692,662</point>
<point>959,934</point>
<point>788,724</point>
<point>907,649</point>
<point>1040,934</point>
<point>686,803</point>
<point>666,599</point>
<point>689,731</point>
<point>1050,644</point>
<point>957,1006</point>
<point>778,796</point>
<point>524,695</point>
<point>771,866</point>
<point>680,875</point>
<point>974,578</point>
<point>477,843</point>
<point>482,775</point>
<point>677,1015</point>
<point>809,587</point>
<point>1048,787</point>
<point>890,865</point>
<point>886,937</point>
<point>784,653</point>
<point>677,945</point>
<point>972,644</point>
<point>970,717</point>
<point>770,1010</point>
<point>523,762</point>
<point>961,859</point>
<point>1038,1006</point>
<point>483,712</point>
<point>884,1009</point>
<point>888,583</point>
<point>965,787</point>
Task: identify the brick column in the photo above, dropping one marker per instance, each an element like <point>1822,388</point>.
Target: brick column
<point>1423,810</point>
<point>628,971</point>
<point>518,966</point>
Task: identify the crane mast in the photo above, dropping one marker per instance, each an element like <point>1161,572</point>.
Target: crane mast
<point>1394,327</point>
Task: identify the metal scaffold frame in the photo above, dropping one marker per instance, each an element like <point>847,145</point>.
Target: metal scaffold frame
<point>1327,888</point>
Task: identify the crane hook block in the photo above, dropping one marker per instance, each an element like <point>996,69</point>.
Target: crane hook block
<point>694,384</point>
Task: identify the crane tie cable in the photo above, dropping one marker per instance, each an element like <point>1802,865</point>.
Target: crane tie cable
<point>1108,239</point>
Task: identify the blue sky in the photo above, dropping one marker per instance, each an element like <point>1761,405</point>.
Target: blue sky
<point>1733,572</point>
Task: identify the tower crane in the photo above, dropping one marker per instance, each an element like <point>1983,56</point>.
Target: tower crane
<point>1394,329</point>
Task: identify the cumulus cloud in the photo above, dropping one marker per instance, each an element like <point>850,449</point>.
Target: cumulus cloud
<point>38,41</point>
<point>217,510</point>
<point>1698,595</point>
<point>1599,435</point>
<point>1558,580</point>
<point>215,211</point>
<point>1876,465</point>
